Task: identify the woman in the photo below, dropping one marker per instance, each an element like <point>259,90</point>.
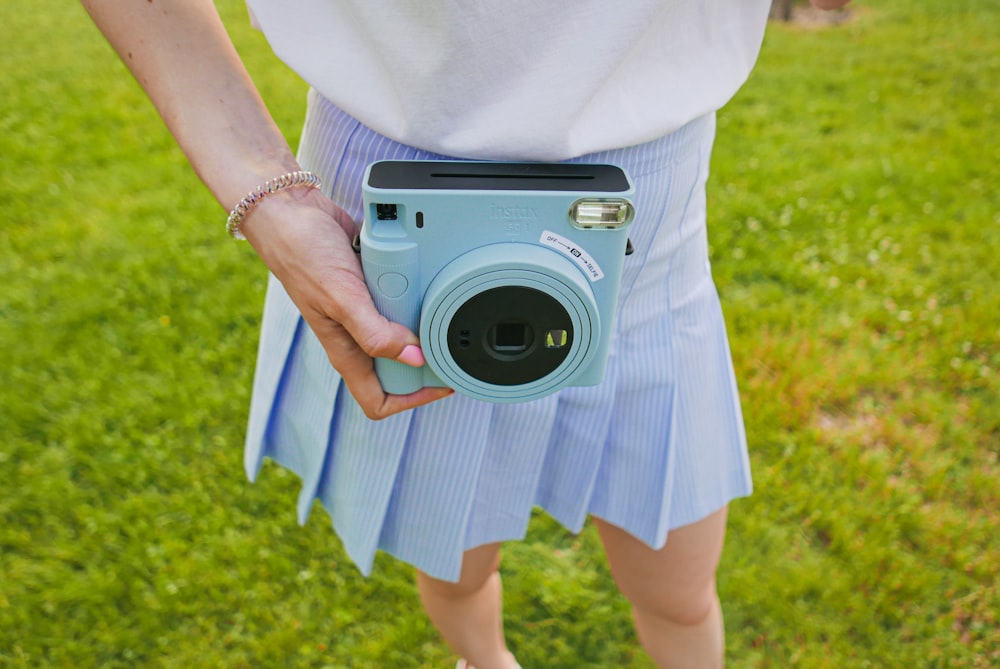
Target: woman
<point>658,449</point>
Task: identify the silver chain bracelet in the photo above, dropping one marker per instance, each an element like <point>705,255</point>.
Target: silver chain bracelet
<point>246,205</point>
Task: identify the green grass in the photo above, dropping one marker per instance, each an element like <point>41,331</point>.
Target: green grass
<point>855,232</point>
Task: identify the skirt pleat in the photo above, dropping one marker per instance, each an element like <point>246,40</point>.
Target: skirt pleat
<point>659,444</point>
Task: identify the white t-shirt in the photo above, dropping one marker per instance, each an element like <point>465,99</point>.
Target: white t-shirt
<point>521,79</point>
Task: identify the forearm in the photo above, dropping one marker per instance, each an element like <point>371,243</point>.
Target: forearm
<point>180,53</point>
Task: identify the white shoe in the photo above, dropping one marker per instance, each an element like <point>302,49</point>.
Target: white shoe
<point>462,664</point>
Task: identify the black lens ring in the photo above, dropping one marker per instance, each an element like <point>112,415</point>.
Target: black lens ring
<point>471,328</point>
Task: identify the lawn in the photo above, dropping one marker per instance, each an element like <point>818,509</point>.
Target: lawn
<point>855,230</point>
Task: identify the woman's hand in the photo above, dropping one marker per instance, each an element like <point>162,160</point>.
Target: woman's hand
<point>305,239</point>
<point>181,55</point>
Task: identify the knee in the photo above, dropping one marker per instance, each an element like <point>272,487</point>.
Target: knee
<point>685,608</point>
<point>675,583</point>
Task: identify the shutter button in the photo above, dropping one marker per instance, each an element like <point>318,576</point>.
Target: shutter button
<point>393,284</point>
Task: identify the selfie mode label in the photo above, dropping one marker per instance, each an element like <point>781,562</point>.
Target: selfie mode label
<point>566,246</point>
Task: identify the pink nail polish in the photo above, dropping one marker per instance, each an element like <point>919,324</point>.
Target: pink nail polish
<point>413,356</point>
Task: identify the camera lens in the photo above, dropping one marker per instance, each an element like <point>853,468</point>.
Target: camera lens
<point>507,338</point>
<point>510,335</point>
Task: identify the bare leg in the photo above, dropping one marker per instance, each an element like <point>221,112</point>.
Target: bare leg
<point>672,591</point>
<point>469,614</point>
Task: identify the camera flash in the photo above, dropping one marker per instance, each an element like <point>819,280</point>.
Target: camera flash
<point>601,213</point>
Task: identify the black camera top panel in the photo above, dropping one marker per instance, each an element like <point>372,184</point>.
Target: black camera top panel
<point>462,175</point>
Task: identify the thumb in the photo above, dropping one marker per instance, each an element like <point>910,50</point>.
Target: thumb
<point>377,336</point>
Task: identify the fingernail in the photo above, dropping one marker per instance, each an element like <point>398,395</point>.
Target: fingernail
<point>412,355</point>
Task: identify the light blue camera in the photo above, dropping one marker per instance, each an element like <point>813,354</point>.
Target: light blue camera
<point>508,272</point>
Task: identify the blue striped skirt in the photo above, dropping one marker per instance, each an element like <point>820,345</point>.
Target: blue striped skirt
<point>658,445</point>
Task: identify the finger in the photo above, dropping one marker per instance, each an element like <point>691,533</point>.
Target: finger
<point>356,368</point>
<point>374,334</point>
<point>382,405</point>
<point>363,384</point>
<point>397,403</point>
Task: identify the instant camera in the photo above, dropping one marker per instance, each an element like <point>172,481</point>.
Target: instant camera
<point>508,272</point>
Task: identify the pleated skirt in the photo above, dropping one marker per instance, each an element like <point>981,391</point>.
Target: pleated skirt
<point>658,445</point>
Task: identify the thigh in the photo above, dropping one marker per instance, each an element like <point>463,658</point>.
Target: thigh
<point>678,580</point>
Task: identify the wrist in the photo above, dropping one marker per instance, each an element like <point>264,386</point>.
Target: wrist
<point>299,179</point>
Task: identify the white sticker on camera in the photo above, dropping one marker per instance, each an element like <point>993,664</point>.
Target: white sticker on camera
<point>566,246</point>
